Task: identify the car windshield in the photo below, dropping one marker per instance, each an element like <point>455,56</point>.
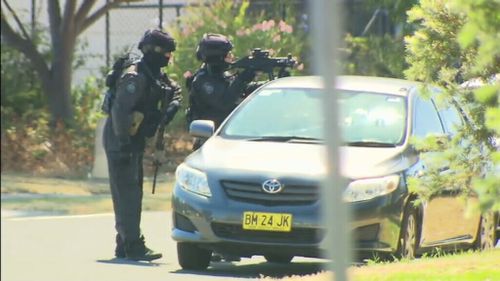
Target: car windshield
<point>295,115</point>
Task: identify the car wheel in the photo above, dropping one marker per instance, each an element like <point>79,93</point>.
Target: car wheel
<point>276,258</point>
<point>192,257</point>
<point>409,235</point>
<point>486,233</point>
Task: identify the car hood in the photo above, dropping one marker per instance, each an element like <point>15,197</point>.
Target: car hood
<point>297,159</point>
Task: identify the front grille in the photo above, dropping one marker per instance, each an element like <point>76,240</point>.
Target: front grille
<point>252,192</point>
<point>296,235</point>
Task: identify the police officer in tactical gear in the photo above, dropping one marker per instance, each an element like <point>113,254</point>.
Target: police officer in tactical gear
<point>213,92</point>
<point>141,89</point>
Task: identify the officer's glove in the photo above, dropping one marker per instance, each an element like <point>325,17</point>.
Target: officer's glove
<point>247,75</point>
<point>170,112</point>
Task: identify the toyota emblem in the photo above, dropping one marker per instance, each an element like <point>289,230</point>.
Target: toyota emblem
<point>272,186</point>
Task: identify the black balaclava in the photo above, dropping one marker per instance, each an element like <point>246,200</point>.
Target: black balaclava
<point>217,68</point>
<point>155,61</point>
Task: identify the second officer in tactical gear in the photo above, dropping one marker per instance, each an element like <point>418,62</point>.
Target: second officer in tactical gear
<point>140,90</point>
<point>213,92</point>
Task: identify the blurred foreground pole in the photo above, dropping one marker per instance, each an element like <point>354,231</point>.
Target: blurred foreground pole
<point>326,39</point>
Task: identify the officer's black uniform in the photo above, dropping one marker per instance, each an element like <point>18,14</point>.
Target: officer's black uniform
<point>140,90</point>
<point>213,92</point>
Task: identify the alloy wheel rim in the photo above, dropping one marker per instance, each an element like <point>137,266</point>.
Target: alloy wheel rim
<point>410,237</point>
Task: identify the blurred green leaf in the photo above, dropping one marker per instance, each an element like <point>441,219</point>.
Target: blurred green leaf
<point>487,94</point>
<point>467,35</point>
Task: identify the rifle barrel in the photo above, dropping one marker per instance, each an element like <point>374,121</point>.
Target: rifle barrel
<point>154,178</point>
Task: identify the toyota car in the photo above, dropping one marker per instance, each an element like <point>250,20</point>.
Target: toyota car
<point>253,188</point>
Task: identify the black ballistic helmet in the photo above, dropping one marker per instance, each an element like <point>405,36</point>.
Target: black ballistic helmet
<point>213,48</point>
<point>157,41</point>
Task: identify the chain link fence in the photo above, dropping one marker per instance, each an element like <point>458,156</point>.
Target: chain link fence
<point>125,24</point>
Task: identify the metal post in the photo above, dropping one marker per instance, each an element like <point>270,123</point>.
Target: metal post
<point>160,6</point>
<point>283,10</point>
<point>107,37</point>
<point>326,32</point>
<point>178,11</point>
<point>33,19</point>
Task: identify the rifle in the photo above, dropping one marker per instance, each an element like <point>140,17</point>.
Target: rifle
<point>259,60</point>
<point>169,109</point>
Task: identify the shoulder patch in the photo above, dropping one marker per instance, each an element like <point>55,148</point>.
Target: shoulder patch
<point>208,88</point>
<point>131,87</point>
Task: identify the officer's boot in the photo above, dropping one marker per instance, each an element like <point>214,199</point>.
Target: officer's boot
<point>120,247</point>
<point>137,251</point>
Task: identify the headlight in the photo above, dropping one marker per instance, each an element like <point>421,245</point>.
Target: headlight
<point>367,189</point>
<point>192,180</point>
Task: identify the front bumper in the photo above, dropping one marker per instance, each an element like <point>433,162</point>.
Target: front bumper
<point>216,223</point>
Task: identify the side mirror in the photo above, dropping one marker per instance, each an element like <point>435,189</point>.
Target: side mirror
<point>202,128</point>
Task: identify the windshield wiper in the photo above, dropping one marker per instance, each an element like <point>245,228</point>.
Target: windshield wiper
<point>287,139</point>
<point>370,144</point>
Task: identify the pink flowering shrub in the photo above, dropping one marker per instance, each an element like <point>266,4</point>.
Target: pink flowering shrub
<point>245,31</point>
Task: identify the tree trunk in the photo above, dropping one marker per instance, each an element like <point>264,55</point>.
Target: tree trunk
<point>59,99</point>
<point>59,88</point>
<point>56,87</point>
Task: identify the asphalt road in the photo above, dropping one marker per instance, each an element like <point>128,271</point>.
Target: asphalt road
<point>81,248</point>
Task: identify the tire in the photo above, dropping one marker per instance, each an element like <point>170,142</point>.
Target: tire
<point>486,234</point>
<point>192,257</point>
<point>409,237</point>
<point>276,258</point>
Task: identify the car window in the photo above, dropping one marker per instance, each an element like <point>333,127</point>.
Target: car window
<point>372,117</point>
<point>452,120</point>
<point>363,116</point>
<point>278,112</point>
<point>426,118</point>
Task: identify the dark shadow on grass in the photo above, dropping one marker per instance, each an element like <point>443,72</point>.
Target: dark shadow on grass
<point>129,262</point>
<point>258,270</point>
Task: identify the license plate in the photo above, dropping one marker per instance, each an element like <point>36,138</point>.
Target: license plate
<point>267,221</point>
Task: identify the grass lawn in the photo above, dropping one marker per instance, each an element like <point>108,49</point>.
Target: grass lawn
<point>67,196</point>
<point>468,266</point>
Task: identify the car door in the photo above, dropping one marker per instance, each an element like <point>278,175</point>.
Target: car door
<point>452,119</point>
<point>443,214</point>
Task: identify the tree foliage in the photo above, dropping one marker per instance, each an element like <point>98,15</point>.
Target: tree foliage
<point>374,56</point>
<point>21,92</point>
<point>30,144</point>
<point>374,43</point>
<point>458,41</point>
<point>54,70</point>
